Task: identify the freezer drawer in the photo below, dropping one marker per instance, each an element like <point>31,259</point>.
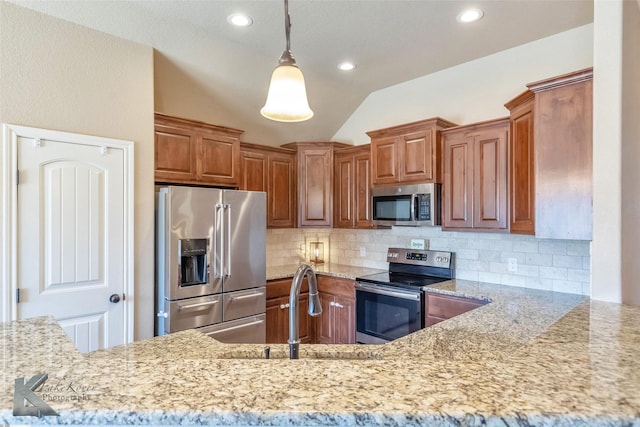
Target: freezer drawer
<point>243,303</point>
<point>193,312</point>
<point>249,330</point>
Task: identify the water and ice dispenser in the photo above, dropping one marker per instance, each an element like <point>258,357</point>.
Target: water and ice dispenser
<point>193,261</point>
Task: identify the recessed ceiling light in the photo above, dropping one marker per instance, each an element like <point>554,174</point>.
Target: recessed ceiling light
<point>239,20</point>
<point>346,66</point>
<point>470,15</point>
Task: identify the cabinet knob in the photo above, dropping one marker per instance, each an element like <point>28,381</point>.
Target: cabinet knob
<point>338,305</point>
<point>283,306</point>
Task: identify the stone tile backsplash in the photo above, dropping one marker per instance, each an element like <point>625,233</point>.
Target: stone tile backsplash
<point>558,265</point>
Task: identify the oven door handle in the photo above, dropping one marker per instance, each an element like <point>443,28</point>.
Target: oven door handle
<point>389,292</point>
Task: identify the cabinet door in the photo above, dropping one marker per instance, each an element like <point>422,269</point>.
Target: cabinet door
<point>343,196</point>
<point>174,154</point>
<point>362,194</point>
<point>315,178</point>
<point>325,323</point>
<point>344,320</point>
<point>564,164</point>
<point>443,307</point>
<point>254,175</point>
<point>521,152</point>
<point>418,156</point>
<point>490,178</point>
<point>217,162</point>
<point>276,317</point>
<point>385,158</point>
<point>305,321</point>
<point>281,190</point>
<point>457,202</point>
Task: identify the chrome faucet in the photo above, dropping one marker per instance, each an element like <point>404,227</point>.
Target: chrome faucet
<point>315,308</point>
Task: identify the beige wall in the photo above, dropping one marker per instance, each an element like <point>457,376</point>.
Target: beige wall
<point>616,231</point>
<point>631,153</point>
<point>61,76</point>
<point>473,91</point>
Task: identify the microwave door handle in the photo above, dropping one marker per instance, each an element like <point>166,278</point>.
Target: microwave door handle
<point>414,207</point>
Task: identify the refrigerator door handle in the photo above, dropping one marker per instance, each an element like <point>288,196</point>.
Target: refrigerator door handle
<point>227,273</point>
<point>215,241</point>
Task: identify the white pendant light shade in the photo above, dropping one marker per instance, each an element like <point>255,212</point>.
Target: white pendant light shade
<point>287,96</point>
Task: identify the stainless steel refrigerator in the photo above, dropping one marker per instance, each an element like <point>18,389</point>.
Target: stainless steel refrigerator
<point>211,262</point>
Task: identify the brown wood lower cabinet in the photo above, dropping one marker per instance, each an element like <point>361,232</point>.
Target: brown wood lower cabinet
<point>337,323</point>
<point>442,307</point>
<point>277,312</point>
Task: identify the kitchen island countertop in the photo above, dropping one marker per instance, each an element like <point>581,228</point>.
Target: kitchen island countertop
<point>527,358</point>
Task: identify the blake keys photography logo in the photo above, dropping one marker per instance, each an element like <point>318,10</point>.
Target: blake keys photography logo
<point>26,402</point>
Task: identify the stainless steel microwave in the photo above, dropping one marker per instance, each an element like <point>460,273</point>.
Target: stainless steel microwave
<point>410,205</point>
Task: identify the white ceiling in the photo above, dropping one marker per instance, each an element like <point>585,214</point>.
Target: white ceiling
<point>391,41</point>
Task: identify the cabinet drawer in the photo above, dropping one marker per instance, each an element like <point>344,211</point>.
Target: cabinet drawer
<point>282,287</point>
<point>243,303</point>
<point>337,286</point>
<point>193,312</point>
<point>250,330</point>
<point>446,307</point>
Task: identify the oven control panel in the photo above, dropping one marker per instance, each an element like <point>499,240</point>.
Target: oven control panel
<point>420,257</point>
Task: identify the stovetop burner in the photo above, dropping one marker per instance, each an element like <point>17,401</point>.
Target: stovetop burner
<point>413,269</point>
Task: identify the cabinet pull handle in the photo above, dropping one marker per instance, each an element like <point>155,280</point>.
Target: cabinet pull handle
<point>338,305</point>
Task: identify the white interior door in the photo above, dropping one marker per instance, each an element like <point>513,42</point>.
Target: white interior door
<point>72,238</point>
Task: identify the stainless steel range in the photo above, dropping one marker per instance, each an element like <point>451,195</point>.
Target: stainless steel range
<point>391,305</point>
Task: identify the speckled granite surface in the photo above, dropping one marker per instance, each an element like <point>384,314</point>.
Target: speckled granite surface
<point>329,269</point>
<point>527,358</point>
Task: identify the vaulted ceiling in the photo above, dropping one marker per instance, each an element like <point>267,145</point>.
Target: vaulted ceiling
<point>391,41</point>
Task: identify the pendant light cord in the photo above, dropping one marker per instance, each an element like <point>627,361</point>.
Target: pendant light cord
<point>287,24</point>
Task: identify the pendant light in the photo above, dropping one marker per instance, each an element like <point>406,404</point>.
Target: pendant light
<point>287,96</point>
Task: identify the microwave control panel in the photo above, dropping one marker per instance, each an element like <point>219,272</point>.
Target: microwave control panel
<point>423,207</point>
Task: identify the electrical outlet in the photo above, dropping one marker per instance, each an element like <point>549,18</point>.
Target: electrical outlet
<point>302,247</point>
<point>512,265</point>
<point>363,251</point>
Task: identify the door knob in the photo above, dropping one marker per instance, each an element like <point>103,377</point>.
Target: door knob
<point>114,298</point>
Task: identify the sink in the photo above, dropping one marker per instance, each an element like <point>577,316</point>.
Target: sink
<point>277,353</point>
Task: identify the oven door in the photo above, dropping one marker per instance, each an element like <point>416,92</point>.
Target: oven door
<point>385,313</point>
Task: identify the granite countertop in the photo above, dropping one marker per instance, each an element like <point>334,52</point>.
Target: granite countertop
<point>527,358</point>
<point>328,269</point>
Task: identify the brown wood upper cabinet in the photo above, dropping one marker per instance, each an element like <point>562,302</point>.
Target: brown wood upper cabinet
<point>315,182</point>
<point>192,152</point>
<point>521,164</point>
<point>475,176</point>
<point>271,170</point>
<point>407,153</point>
<point>563,134</point>
<point>352,187</point>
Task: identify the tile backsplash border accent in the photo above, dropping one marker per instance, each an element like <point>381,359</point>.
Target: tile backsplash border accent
<point>557,265</point>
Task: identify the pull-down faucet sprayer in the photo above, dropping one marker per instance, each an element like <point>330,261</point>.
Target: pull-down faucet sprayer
<point>315,308</point>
